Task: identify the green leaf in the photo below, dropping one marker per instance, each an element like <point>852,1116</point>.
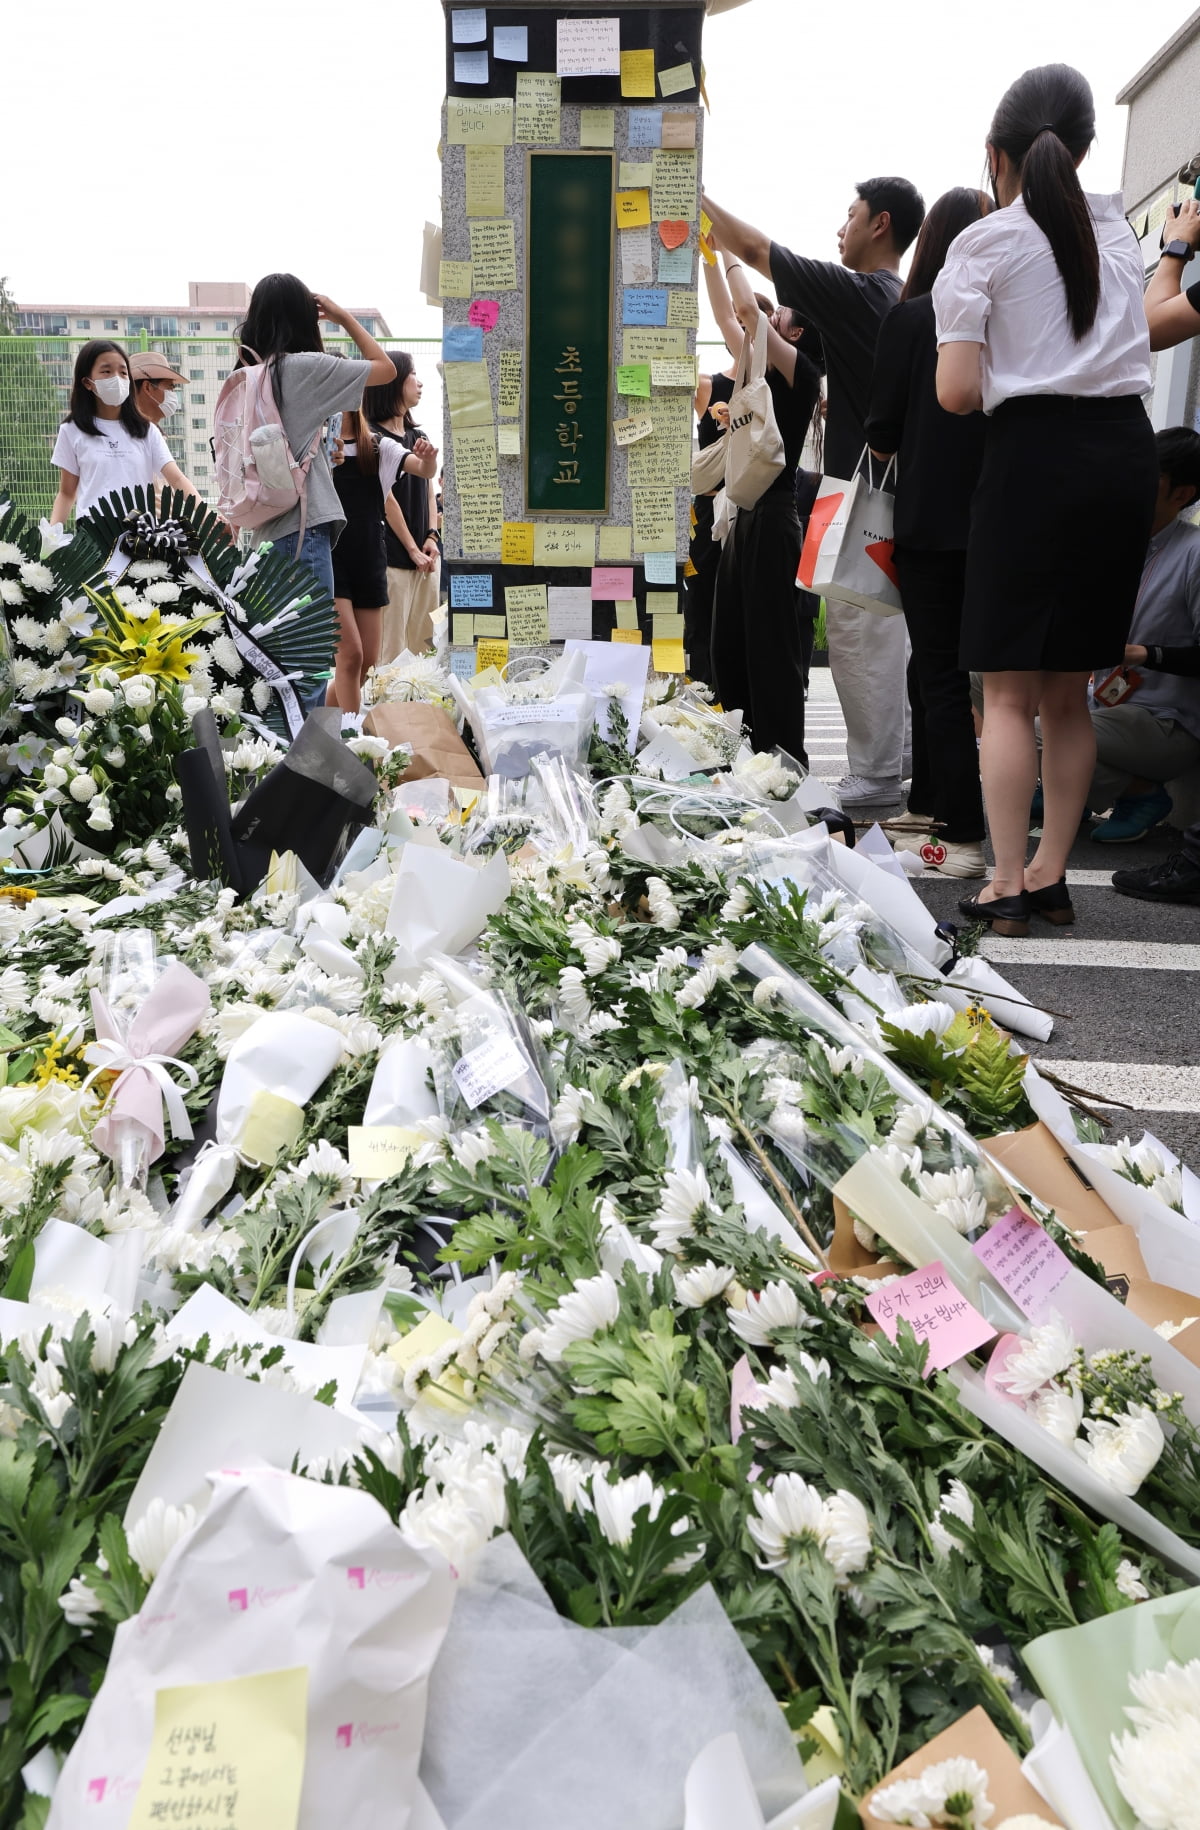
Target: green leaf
<point>20,1279</point>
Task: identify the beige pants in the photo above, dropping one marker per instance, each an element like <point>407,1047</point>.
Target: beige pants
<point>408,613</point>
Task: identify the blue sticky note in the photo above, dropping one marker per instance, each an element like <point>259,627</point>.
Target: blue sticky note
<point>470,66</point>
<point>470,590</point>
<point>645,126</point>
<point>675,266</point>
<point>511,42</point>
<point>644,305</point>
<point>660,568</point>
<point>462,663</point>
<point>469,25</point>
<point>464,343</point>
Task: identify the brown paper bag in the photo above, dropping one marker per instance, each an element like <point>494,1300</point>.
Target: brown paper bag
<point>973,1737</point>
<point>437,747</point>
<point>1036,1158</point>
<point>1156,1303</point>
<point>1117,1252</point>
<point>846,1256</point>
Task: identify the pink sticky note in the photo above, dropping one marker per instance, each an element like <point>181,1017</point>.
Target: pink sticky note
<point>936,1312</point>
<point>484,313</point>
<point>612,584</point>
<point>1024,1260</point>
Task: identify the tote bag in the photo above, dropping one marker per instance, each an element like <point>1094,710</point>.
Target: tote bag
<point>755,456</point>
<point>848,550</point>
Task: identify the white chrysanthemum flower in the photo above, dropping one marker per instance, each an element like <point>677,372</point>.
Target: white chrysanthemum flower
<point>845,1534</point>
<point>570,1110</point>
<point>1059,1410</point>
<point>11,592</point>
<point>738,903</point>
<point>1123,1452</point>
<point>909,1127</point>
<point>958,1503</point>
<point>594,1304</point>
<point>1129,1581</point>
<point>931,1019</point>
<point>11,554</point>
<point>471,1148</point>
<point>768,1311</point>
<point>571,1476</point>
<point>617,1504</point>
<point>923,1801</point>
<point>1047,1352</point>
<point>163,591</point>
<point>701,1283</point>
<point>573,996</point>
<point>84,788</point>
<point>791,1512</point>
<point>664,911</point>
<point>80,1603</point>
<point>1158,1767</point>
<point>156,1534</point>
<point>686,1197</point>
<point>599,950</point>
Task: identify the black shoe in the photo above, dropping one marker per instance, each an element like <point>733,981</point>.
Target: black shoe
<point>1173,879</point>
<point>1053,903</point>
<point>1006,915</point>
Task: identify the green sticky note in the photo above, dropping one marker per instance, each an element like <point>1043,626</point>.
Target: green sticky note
<point>489,626</point>
<point>634,379</point>
<point>597,126</point>
<point>627,616</point>
<point>462,630</point>
<point>661,603</point>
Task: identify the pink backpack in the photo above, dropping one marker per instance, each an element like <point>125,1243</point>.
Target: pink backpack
<point>258,477</point>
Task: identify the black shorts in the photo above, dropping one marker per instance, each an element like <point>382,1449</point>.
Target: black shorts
<point>359,573</point>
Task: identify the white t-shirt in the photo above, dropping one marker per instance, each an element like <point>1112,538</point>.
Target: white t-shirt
<point>110,459</point>
<point>1001,287</point>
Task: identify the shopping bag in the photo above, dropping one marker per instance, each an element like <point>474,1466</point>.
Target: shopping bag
<point>848,550</point>
<point>755,456</point>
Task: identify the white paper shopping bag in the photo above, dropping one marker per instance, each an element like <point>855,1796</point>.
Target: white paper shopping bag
<point>848,549</point>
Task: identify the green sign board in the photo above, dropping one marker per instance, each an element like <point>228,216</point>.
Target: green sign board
<point>568,332</point>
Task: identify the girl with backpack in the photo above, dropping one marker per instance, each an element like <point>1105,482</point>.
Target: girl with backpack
<point>1040,322</point>
<point>104,444</point>
<point>413,558</point>
<point>282,328</point>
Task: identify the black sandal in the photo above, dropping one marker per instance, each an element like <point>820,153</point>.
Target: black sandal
<point>1007,915</point>
<point>1053,903</point>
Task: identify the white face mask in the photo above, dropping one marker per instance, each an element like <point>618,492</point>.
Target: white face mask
<point>169,403</point>
<point>113,390</point>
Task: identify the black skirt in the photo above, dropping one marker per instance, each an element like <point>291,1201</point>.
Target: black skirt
<point>1059,526</point>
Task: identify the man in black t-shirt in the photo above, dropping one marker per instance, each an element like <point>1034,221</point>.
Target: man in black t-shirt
<point>845,304</point>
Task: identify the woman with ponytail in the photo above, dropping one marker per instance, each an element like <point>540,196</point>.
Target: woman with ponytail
<point>1040,322</point>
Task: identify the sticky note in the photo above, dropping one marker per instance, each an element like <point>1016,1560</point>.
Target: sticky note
<point>482,517</point>
<point>508,441</point>
<point>378,1152</point>
<point>611,582</point>
<point>660,603</point>
<point>462,343</point>
<point>675,80</point>
<point>528,615</point>
<point>493,254</point>
<point>632,636</point>
<point>489,628</point>
<point>491,653</point>
<point>470,588</point>
<point>637,73</point>
<point>633,379</point>
<point>675,266</point>
<point>629,431</point>
<point>615,543</point>
<point>510,43</point>
<point>935,1311</point>
<point>462,663</point>
<point>633,209</point>
<point>462,629</point>
<point>679,131</point>
<point>470,66</point>
<point>645,127</point>
<point>485,181</point>
<point>669,628</point>
<point>508,400</point>
<point>627,617</point>
<point>474,458</point>
<point>642,343</point>
<point>683,308</point>
<point>539,118</point>
<point>468,25</point>
<point>637,256</point>
<point>598,127</point>
<point>673,190</point>
<point>485,313</point>
<point>563,543</point>
<point>659,568</point>
<point>653,519</point>
<point>646,306</point>
<point>1024,1259</point>
<point>479,120</point>
<point>673,372</point>
<point>667,653</point>
<point>588,47</point>
<point>468,393</point>
<point>454,279</point>
<point>570,611</point>
<point>257,1726</point>
<point>516,548</point>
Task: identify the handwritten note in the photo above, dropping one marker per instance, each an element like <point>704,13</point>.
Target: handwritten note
<point>679,131</point>
<point>485,181</point>
<point>492,653</point>
<point>643,345</point>
<point>462,663</point>
<point>1024,1259</point>
<point>675,267</point>
<point>462,630</point>
<point>589,47</point>
<point>493,254</point>
<point>648,306</point>
<point>935,1311</point>
<point>479,120</point>
<point>673,372</point>
<point>467,393</point>
<point>482,518</point>
<point>528,614</point>
<point>627,616</point>
<point>673,191</point>
<point>653,519</point>
<point>659,568</point>
<point>637,256</point>
<point>611,582</point>
<point>510,43</point>
<point>470,66</point>
<point>633,209</point>
<point>231,1751</point>
<point>471,588</point>
<point>667,654</point>
<point>629,431</point>
<point>508,441</point>
<point>675,80</point>
<point>475,458</point>
<point>570,612</point>
<point>661,603</point>
<point>645,127</point>
<point>489,628</point>
<point>664,460</point>
<point>637,73</point>
<point>598,127</point>
<point>516,548</point>
<point>615,543</point>
<point>462,343</point>
<point>378,1152</point>
<point>485,313</point>
<point>539,115</point>
<point>633,379</point>
<point>668,628</point>
<point>508,402</point>
<point>454,279</point>
<point>563,543</point>
<point>632,636</point>
<point>468,25</point>
<point>683,308</point>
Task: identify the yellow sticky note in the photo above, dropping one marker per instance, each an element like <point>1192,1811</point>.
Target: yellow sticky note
<point>485,181</point>
<point>467,391</point>
<point>474,457</point>
<point>563,543</point>
<point>627,617</point>
<point>528,614</point>
<point>633,209</point>
<point>653,520</point>
<point>516,547</point>
<point>508,401</point>
<point>491,653</point>
<point>637,73</point>
<point>705,223</point>
<point>538,111</point>
<point>454,280</point>
<point>462,630</point>
<point>633,636</point>
<point>597,126</point>
<point>378,1152</point>
<point>632,176</point>
<point>679,130</point>
<point>667,657</point>
<point>272,1124</point>
<point>673,372</point>
<point>493,254</point>
<point>673,193</point>
<point>482,519</point>
<point>683,308</point>
<point>675,80</point>
<point>479,120</point>
<point>508,441</point>
<point>430,1333</point>
<point>256,1726</point>
<point>489,626</point>
<point>642,343</point>
<point>616,543</point>
<point>629,431</point>
<point>662,603</point>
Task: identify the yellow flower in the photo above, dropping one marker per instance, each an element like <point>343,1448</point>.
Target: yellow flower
<point>141,644</point>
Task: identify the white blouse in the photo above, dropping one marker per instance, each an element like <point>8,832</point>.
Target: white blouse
<point>1001,287</point>
<point>108,459</point>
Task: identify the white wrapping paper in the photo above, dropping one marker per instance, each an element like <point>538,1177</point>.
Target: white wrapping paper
<point>440,904</point>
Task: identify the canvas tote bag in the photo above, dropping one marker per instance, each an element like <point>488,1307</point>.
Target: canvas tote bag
<point>755,456</point>
<point>848,549</point>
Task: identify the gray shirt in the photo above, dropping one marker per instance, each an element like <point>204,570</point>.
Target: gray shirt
<point>309,387</point>
<point>1168,616</point>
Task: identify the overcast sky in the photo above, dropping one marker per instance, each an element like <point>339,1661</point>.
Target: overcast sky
<point>304,137</point>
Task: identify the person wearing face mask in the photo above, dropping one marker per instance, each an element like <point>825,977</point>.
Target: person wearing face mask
<point>156,386</point>
<point>414,559</point>
<point>105,444</point>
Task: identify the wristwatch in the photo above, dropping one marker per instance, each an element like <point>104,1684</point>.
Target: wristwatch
<point>1180,251</point>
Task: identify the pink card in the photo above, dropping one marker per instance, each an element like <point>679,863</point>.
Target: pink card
<point>484,313</point>
<point>935,1311</point>
<point>1024,1260</point>
<point>612,584</point>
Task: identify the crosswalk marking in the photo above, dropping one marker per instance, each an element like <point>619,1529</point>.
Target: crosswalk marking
<point>1146,956</point>
<point>1146,1087</point>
